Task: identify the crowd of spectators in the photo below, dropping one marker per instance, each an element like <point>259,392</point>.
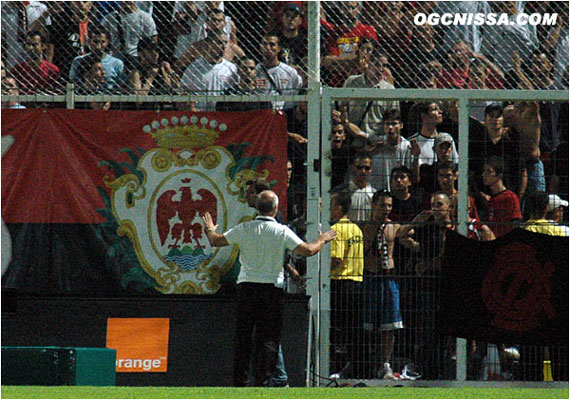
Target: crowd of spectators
<point>404,148</point>
<point>378,40</point>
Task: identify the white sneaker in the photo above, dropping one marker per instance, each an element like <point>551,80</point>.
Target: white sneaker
<point>409,373</point>
<point>386,372</point>
<point>513,352</point>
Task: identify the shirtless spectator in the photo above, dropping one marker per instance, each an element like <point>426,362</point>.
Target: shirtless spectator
<point>126,27</point>
<point>382,316</point>
<point>69,32</point>
<point>367,116</point>
<point>343,40</point>
<point>202,18</point>
<point>540,77</point>
<point>114,67</point>
<point>36,74</point>
<point>210,74</point>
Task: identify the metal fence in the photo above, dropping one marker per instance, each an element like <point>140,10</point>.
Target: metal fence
<point>416,349</point>
<point>311,59</point>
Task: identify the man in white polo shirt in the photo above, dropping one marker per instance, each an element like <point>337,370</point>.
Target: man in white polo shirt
<point>262,243</point>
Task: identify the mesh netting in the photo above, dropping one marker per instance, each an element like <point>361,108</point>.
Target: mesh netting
<point>187,47</point>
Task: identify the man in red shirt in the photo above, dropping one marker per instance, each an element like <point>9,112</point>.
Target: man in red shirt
<point>343,41</point>
<point>503,207</point>
<point>36,75</point>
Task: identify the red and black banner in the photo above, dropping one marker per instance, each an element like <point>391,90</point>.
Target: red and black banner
<point>510,290</point>
<point>64,176</point>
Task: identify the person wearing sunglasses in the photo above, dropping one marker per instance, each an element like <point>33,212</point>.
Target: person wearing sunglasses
<point>359,189</point>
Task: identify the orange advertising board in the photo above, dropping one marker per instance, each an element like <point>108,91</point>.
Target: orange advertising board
<point>141,343</point>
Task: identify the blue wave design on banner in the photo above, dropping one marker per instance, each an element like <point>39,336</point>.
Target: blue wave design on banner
<point>188,262</point>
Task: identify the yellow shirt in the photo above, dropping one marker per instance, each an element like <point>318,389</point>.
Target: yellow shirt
<point>543,226</point>
<point>348,246</point>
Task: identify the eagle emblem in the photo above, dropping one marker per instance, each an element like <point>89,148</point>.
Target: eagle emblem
<point>186,210</point>
<point>159,206</point>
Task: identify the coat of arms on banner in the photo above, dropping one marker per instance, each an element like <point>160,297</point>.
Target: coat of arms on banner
<point>160,204</point>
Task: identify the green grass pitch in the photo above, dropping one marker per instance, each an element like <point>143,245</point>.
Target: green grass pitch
<point>89,392</point>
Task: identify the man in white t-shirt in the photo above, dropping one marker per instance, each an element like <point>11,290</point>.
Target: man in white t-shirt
<point>126,27</point>
<point>262,244</point>
<point>394,152</point>
<point>274,76</point>
<point>210,74</point>
<point>430,116</point>
<point>359,189</point>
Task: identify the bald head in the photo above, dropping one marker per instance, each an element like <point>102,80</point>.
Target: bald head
<point>267,203</point>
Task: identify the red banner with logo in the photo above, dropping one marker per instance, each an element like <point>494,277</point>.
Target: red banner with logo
<point>510,290</point>
<point>120,194</point>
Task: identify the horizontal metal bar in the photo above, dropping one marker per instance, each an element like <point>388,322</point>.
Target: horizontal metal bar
<point>158,98</point>
<point>444,94</point>
<point>334,93</point>
<point>32,98</point>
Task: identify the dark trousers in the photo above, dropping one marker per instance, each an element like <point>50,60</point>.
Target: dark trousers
<point>259,307</point>
<point>347,333</point>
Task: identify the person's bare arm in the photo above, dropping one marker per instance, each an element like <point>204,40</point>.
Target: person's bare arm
<point>485,232</point>
<point>524,82</point>
<point>309,249</point>
<point>215,239</point>
<point>349,127</point>
<point>530,129</point>
<point>416,151</point>
<point>297,137</point>
<point>496,71</point>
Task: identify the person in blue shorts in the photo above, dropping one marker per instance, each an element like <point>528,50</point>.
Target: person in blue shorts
<point>382,315</point>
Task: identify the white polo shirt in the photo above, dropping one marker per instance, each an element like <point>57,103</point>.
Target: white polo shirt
<point>262,243</point>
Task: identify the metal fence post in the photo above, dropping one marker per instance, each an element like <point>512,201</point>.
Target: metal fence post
<point>70,96</point>
<point>462,211</point>
<point>313,174</point>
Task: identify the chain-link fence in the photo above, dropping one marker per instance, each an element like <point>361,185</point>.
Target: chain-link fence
<point>404,192</point>
<point>187,47</point>
<point>261,48</point>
